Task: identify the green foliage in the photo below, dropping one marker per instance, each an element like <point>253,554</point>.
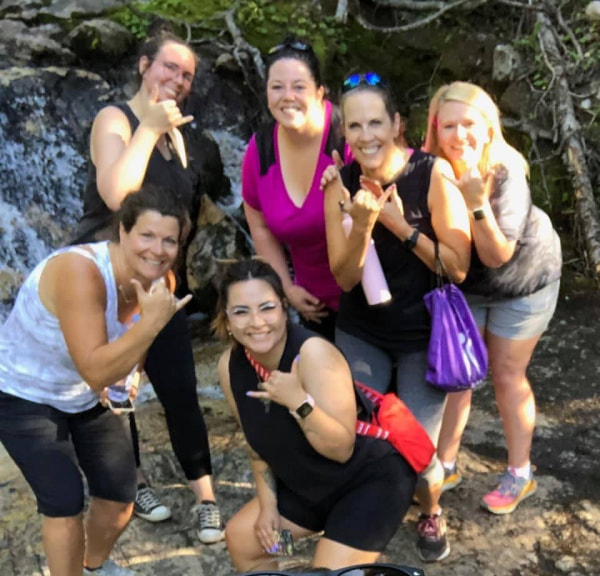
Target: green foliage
<point>137,25</point>
<point>265,23</point>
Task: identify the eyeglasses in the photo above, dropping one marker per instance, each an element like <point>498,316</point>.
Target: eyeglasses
<point>241,316</point>
<point>360,570</point>
<point>367,79</point>
<point>299,46</point>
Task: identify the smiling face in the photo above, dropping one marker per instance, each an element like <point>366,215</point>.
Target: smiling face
<point>172,70</point>
<point>292,94</point>
<point>462,133</point>
<point>370,132</point>
<point>151,246</point>
<point>256,317</point>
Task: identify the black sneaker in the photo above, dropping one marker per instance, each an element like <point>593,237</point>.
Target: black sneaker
<point>148,506</point>
<point>432,543</point>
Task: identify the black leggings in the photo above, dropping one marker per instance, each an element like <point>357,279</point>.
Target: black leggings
<point>170,368</point>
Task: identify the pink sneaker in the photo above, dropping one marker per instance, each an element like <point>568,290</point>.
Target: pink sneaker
<point>511,490</point>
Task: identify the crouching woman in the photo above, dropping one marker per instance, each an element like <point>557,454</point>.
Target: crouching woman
<point>293,394</point>
<point>69,336</point>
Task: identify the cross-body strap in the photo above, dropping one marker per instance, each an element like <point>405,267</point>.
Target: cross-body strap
<point>362,428</point>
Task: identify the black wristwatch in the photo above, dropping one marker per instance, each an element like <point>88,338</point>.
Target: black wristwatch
<point>479,213</point>
<point>411,242</point>
<point>304,409</point>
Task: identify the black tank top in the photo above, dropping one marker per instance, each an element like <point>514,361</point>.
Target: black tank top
<point>98,217</point>
<point>276,436</point>
<point>402,325</point>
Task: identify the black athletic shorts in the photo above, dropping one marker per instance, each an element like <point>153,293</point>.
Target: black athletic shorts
<point>50,446</point>
<point>365,513</point>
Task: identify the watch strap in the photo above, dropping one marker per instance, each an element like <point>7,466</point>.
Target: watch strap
<point>411,241</point>
<point>479,213</point>
<point>304,409</point>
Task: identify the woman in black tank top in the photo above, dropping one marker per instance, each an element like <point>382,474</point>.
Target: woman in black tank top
<point>134,143</point>
<point>402,200</point>
<point>292,393</point>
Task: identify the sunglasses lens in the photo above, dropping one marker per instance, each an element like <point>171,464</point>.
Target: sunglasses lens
<point>300,46</point>
<point>372,79</point>
<point>368,79</point>
<point>275,49</point>
<point>352,81</point>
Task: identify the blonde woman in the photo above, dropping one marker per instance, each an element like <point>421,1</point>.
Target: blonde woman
<point>512,285</point>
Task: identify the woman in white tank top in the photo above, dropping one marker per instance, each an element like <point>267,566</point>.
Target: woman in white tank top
<point>69,336</point>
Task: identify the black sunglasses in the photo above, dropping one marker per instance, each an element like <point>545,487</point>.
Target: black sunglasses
<point>367,79</point>
<point>299,46</point>
<point>360,570</point>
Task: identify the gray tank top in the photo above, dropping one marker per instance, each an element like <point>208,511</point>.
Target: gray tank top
<point>34,360</point>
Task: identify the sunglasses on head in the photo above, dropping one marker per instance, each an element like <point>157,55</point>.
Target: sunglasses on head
<point>299,46</point>
<point>367,79</point>
<point>375,569</point>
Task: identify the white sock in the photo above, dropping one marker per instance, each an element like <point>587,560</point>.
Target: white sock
<point>523,472</point>
<point>449,465</point>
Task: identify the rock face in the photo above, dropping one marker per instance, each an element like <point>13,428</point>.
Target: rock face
<point>52,85</point>
<point>45,114</point>
<point>506,62</point>
<point>219,237</point>
<point>101,40</point>
<point>592,10</point>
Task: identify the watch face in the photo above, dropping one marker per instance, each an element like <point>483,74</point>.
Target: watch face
<point>304,410</point>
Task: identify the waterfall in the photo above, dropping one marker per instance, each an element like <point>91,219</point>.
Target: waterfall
<point>232,150</point>
<point>42,171</point>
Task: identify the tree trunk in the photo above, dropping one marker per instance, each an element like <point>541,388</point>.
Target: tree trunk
<point>586,211</point>
<point>341,13</point>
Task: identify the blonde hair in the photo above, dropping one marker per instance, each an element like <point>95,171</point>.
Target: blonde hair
<point>497,150</point>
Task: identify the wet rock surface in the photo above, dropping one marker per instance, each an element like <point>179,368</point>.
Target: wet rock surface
<point>555,532</point>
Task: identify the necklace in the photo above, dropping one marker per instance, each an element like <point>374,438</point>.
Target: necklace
<point>117,272</point>
<point>123,293</point>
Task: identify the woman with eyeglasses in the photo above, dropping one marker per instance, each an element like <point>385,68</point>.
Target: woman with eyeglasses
<point>69,336</point>
<point>292,392</point>
<point>133,143</point>
<point>402,200</point>
<point>281,173</point>
<point>512,286</point>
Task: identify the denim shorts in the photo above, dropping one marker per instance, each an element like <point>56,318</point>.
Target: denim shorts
<point>519,318</point>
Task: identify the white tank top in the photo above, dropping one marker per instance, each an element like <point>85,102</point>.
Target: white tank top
<point>34,360</point>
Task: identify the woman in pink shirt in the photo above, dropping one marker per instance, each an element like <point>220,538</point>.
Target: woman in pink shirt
<point>281,175</point>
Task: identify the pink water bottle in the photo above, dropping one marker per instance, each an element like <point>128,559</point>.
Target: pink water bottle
<point>373,280</point>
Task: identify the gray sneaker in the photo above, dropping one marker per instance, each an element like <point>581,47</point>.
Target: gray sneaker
<point>109,568</point>
<point>148,506</point>
<point>452,478</point>
<point>211,529</point>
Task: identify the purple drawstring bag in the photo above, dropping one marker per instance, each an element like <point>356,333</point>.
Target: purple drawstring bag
<point>457,357</point>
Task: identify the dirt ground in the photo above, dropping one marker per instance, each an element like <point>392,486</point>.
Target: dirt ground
<point>555,532</point>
